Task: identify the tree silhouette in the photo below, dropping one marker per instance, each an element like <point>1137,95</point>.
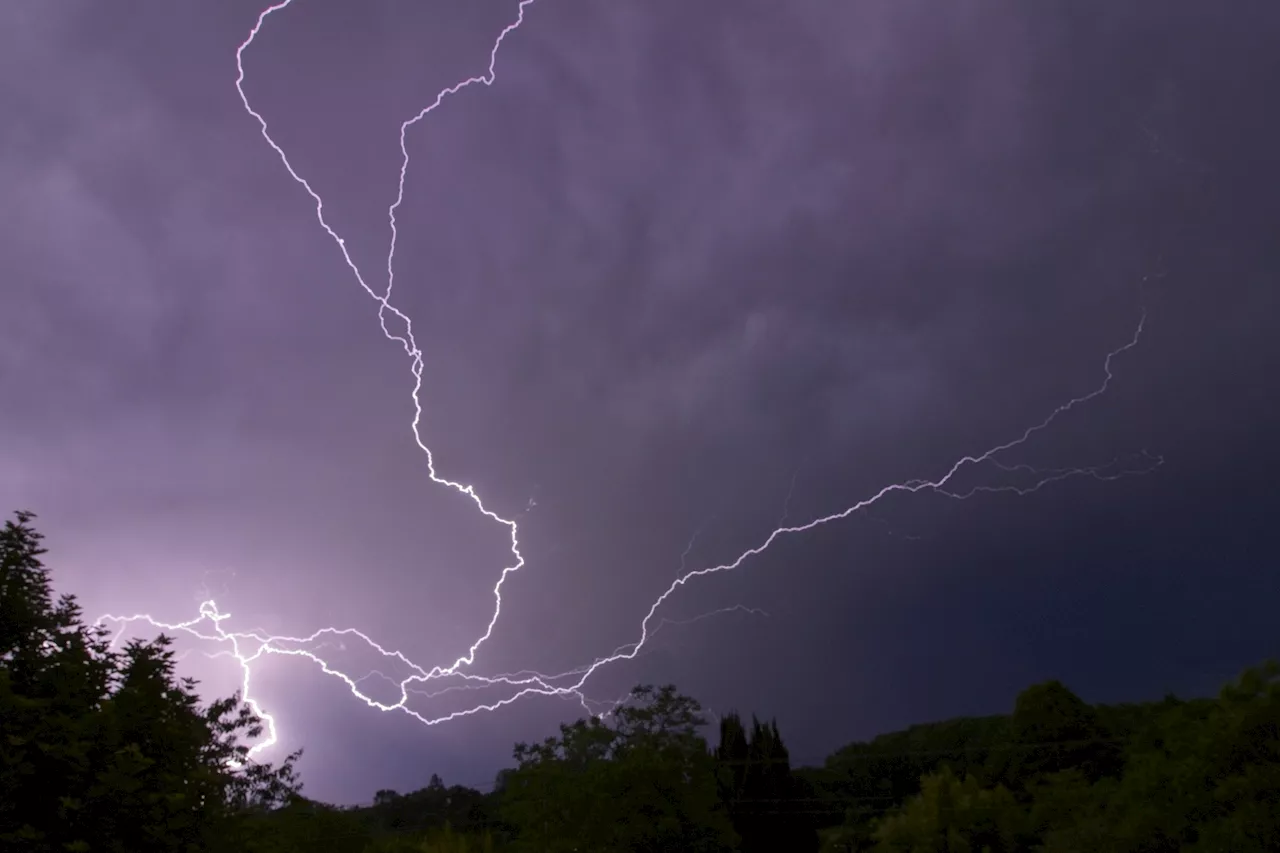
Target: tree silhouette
<point>643,781</point>
<point>104,749</point>
<point>757,786</point>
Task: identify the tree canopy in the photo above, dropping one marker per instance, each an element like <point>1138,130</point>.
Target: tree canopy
<point>107,749</point>
<point>643,779</point>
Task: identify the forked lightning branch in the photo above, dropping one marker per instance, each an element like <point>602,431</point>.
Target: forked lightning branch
<point>246,647</point>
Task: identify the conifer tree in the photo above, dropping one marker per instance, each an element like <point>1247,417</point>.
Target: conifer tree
<point>757,786</point>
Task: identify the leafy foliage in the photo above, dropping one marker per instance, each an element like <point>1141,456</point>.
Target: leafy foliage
<point>955,815</point>
<point>105,749</point>
<point>1170,775</point>
<point>432,808</point>
<point>643,781</point>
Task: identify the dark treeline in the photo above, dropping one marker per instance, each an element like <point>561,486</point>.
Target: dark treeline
<point>106,749</point>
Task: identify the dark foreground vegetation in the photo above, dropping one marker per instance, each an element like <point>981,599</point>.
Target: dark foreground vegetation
<point>106,749</point>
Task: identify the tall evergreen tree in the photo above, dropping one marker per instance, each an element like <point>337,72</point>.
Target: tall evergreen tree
<point>732,754</point>
<point>757,786</point>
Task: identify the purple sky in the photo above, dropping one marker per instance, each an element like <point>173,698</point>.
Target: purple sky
<point>684,267</point>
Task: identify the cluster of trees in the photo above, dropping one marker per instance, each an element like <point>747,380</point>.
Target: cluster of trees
<point>104,749</point>
<point>108,750</point>
<point>1060,775</point>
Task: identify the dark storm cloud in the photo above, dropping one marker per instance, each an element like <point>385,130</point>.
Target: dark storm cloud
<point>679,257</point>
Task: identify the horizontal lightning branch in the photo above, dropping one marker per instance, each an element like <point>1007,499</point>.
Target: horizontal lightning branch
<point>248,646</point>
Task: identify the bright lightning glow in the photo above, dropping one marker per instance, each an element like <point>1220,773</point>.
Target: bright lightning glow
<point>246,647</point>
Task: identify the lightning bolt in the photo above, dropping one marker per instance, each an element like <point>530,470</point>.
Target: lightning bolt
<point>248,646</point>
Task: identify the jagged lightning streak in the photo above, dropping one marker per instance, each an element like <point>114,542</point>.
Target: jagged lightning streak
<point>405,339</point>
<point>246,647</point>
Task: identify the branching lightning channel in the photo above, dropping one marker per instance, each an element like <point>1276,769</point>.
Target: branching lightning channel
<point>406,339</point>
<point>247,646</point>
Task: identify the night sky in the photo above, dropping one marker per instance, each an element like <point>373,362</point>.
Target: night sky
<point>687,271</point>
